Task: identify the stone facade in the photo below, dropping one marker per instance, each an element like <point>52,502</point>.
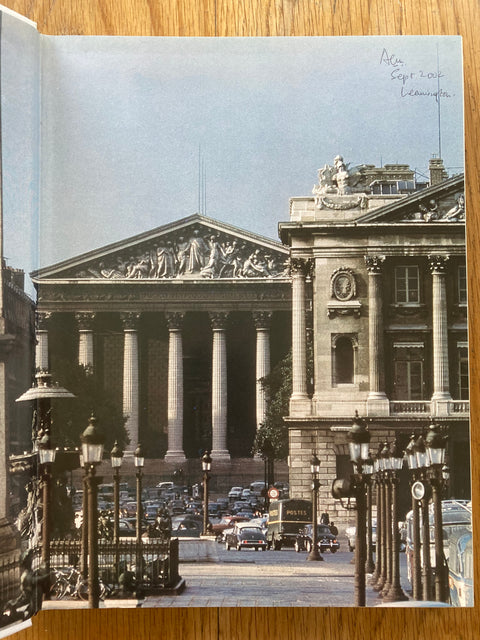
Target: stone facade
<point>383,262</point>
<point>180,323</point>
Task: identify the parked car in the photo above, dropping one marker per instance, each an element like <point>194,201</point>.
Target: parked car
<point>244,536</point>
<point>188,526</point>
<point>350,532</point>
<point>325,539</point>
<point>227,522</point>
<point>258,488</point>
<point>176,506</point>
<point>235,493</point>
<point>126,528</point>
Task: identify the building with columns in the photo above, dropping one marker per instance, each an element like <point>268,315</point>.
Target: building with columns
<point>378,271</point>
<point>180,323</point>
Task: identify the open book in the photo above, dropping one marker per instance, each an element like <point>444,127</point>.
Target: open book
<point>225,312</point>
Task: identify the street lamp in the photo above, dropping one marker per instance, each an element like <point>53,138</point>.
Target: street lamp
<point>206,467</point>
<point>410,455</point>
<point>395,592</point>
<point>358,442</point>
<point>369,468</point>
<point>377,580</point>
<point>435,445</point>
<point>422,493</point>
<point>116,456</point>
<point>139,461</point>
<point>46,454</point>
<point>92,450</point>
<point>315,470</point>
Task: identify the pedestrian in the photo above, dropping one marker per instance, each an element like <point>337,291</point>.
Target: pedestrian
<point>325,518</point>
<point>333,529</point>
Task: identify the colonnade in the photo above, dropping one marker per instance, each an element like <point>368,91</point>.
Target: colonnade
<point>175,393</point>
<point>377,400</point>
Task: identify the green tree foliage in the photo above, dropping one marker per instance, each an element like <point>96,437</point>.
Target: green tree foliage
<point>271,439</point>
<point>70,416</point>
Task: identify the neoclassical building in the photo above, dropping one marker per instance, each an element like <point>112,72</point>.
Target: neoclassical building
<point>378,271</point>
<point>180,323</point>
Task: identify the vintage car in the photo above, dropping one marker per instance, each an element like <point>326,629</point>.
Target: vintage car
<point>245,536</point>
<point>325,539</point>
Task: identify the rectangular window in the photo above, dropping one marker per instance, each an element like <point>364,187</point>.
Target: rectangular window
<point>462,284</point>
<point>408,380</point>
<point>463,388</point>
<point>407,285</point>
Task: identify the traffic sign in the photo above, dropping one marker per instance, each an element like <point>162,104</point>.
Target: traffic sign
<point>273,493</point>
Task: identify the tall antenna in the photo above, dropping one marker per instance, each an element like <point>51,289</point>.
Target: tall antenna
<point>202,183</point>
<point>438,107</point>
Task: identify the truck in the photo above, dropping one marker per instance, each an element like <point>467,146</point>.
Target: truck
<point>285,519</point>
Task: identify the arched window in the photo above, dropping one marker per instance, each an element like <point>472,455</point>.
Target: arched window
<point>343,360</point>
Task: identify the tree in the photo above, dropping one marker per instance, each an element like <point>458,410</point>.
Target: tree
<point>271,439</point>
<point>70,417</point>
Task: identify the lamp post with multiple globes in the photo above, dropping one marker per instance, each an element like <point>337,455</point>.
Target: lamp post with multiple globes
<point>92,451</point>
<point>358,441</point>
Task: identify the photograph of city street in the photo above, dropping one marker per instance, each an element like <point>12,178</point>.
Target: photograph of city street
<point>233,345</point>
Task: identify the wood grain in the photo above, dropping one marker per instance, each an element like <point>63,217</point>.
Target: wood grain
<point>280,18</point>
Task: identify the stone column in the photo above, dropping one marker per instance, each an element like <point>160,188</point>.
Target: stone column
<point>175,388</point>
<point>262,320</point>
<point>300,403</point>
<point>441,382</point>
<point>130,376</point>
<point>377,401</point>
<point>41,336</point>
<point>85,339</point>
<point>219,387</point>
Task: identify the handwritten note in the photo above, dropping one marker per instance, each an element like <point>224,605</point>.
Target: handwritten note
<point>412,82</point>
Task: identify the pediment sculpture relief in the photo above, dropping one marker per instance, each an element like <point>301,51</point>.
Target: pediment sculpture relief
<point>200,253</point>
<point>432,211</point>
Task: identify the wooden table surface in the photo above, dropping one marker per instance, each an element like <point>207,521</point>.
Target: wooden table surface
<point>287,18</point>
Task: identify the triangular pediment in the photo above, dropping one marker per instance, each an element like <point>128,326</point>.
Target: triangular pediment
<point>196,247</point>
<point>443,203</point>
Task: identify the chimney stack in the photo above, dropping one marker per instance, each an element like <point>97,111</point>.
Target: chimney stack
<point>437,171</point>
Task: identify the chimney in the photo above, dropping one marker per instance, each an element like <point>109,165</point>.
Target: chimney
<point>437,171</point>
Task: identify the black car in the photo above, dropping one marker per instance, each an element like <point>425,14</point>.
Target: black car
<point>325,538</point>
<point>245,536</point>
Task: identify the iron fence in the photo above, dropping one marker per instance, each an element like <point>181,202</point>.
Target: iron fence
<point>123,569</point>
<point>9,578</point>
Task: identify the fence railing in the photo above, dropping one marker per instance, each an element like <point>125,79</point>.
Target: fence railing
<point>9,578</point>
<point>409,406</point>
<point>127,566</point>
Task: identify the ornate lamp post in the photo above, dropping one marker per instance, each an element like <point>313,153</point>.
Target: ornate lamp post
<point>358,442</point>
<point>84,541</point>
<point>46,454</point>
<point>42,393</point>
<point>116,456</point>
<point>377,578</point>
<point>416,564</point>
<point>315,470</point>
<point>422,492</point>
<point>435,445</point>
<point>369,468</point>
<point>139,460</point>
<point>395,592</point>
<point>206,467</point>
<point>92,450</point>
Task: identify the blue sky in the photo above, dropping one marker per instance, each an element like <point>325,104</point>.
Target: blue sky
<point>122,120</point>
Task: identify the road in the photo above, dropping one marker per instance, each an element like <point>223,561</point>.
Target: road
<point>272,578</point>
